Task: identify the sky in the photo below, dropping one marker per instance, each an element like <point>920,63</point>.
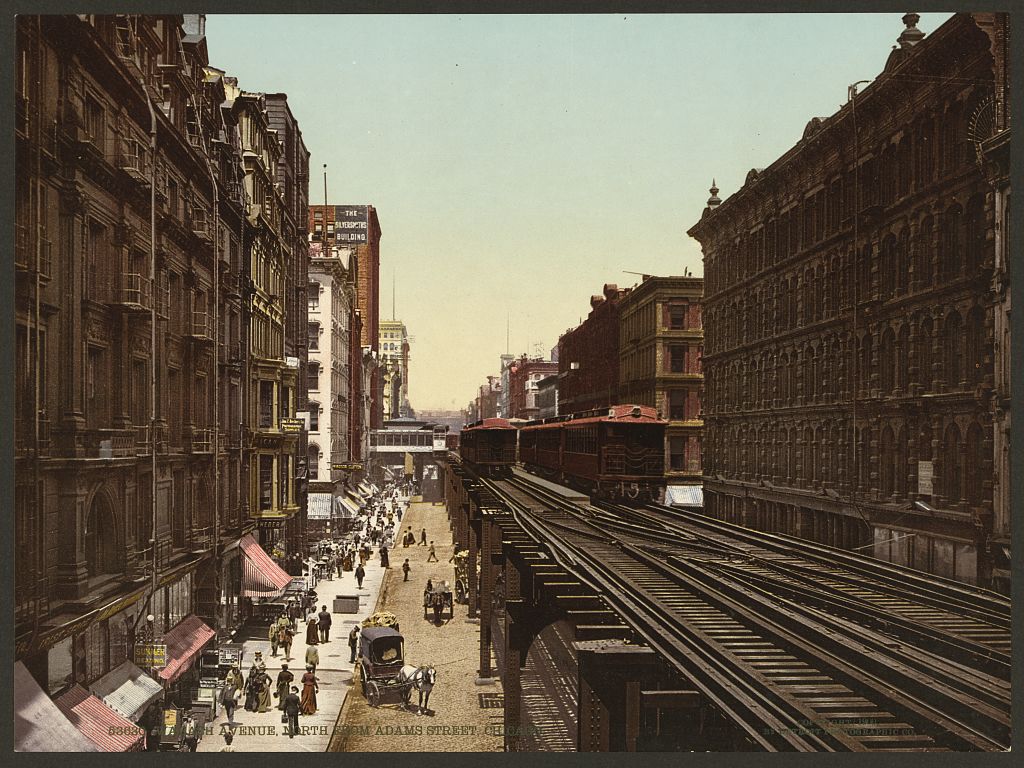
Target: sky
<point>519,163</point>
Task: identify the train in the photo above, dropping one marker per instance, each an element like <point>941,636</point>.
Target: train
<point>615,453</point>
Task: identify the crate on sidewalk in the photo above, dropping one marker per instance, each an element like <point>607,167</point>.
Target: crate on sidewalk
<point>346,604</point>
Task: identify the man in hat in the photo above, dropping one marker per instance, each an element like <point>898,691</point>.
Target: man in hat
<point>360,575</point>
<point>353,642</point>
<point>324,624</point>
<point>431,554</point>
<point>423,537</point>
<point>284,679</point>
<point>405,569</point>
<point>292,706</point>
<point>272,635</point>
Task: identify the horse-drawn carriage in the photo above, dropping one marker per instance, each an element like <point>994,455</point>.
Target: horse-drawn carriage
<point>438,597</point>
<point>383,670</point>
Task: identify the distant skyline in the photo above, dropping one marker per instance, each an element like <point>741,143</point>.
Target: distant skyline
<point>519,163</point>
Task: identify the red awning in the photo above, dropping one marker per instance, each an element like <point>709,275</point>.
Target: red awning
<point>262,576</point>
<point>183,645</point>
<point>99,723</point>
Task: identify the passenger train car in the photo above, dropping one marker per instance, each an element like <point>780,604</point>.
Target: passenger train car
<point>489,445</point>
<point>614,453</point>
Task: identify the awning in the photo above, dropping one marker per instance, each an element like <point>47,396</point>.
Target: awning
<point>349,509</point>
<point>366,489</point>
<point>262,577</point>
<point>357,498</point>
<point>184,643</point>
<point>319,506</point>
<point>99,723</point>
<point>39,726</point>
<point>127,690</point>
<point>684,495</point>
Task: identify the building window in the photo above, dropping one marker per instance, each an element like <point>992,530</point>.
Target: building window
<point>313,377</point>
<point>314,462</point>
<point>285,463</point>
<point>266,404</point>
<point>678,354</point>
<point>677,405</point>
<point>314,416</point>
<point>677,317</point>
<point>314,297</point>
<point>677,454</point>
<point>266,482</point>
<point>314,337</point>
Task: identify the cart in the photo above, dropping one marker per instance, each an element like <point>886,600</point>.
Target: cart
<point>440,597</point>
<point>381,658</point>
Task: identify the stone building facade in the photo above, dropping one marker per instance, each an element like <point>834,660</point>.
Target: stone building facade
<point>849,320</point>
<point>660,347</point>
<point>132,334</point>
<point>524,376</point>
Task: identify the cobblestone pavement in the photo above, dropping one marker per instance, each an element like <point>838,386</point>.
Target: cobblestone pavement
<point>264,732</point>
<point>455,721</point>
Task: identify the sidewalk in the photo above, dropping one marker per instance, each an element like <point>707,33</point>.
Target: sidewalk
<point>264,732</point>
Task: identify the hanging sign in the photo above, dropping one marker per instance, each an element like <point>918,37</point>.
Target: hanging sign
<point>150,655</point>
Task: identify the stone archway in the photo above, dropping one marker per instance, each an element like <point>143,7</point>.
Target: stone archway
<point>101,539</point>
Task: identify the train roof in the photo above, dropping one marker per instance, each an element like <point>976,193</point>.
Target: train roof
<point>490,424</point>
<point>619,414</point>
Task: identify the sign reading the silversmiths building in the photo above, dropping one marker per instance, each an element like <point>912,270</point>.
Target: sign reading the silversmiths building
<point>351,223</point>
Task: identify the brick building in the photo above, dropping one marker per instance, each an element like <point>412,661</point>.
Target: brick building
<point>523,378</point>
<point>588,356</point>
<point>358,226</point>
<point>849,318</point>
<point>661,342</point>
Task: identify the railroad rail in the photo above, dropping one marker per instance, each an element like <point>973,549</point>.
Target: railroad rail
<point>801,650</point>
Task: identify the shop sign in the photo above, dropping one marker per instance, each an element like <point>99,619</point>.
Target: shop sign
<point>291,426</point>
<point>347,467</point>
<point>150,655</point>
<point>924,478</point>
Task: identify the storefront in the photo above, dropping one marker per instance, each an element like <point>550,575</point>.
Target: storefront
<point>184,644</point>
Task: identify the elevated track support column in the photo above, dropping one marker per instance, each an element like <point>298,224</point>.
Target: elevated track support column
<point>612,676</point>
<point>487,589</point>
<point>473,530</point>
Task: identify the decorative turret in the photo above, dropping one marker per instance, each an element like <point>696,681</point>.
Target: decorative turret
<point>714,201</point>
<point>911,36</point>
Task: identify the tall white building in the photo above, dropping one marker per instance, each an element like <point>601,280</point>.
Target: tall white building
<point>332,298</point>
<point>394,358</point>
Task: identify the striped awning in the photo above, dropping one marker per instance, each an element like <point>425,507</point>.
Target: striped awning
<point>366,489</point>
<point>684,495</point>
<point>99,723</point>
<point>319,506</point>
<point>348,508</point>
<point>184,643</point>
<point>359,501</point>
<point>261,577</point>
<point>39,726</point>
<point>127,690</point>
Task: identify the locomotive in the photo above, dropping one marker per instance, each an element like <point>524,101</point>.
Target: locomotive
<point>489,445</point>
<point>614,453</point>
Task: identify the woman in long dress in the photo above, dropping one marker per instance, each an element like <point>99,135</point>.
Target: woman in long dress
<point>263,697</point>
<point>252,688</point>
<point>309,691</point>
<point>312,638</point>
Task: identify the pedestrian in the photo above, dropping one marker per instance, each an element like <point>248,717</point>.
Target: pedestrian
<point>263,699</point>
<point>310,689</point>
<point>405,569</point>
<point>431,554</point>
<point>360,573</point>
<point>229,696</point>
<point>285,637</point>
<point>273,634</point>
<point>229,736</point>
<point>423,537</point>
<point>292,707</point>
<point>312,638</point>
<point>284,681</point>
<point>353,641</point>
<point>384,557</point>
<point>191,738</point>
<point>339,564</point>
<point>312,657</point>
<point>324,624</point>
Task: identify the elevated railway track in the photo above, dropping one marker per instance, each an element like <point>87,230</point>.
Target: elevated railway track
<point>801,647</point>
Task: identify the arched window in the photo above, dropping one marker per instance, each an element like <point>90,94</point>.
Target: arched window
<point>102,548</point>
<point>902,264</point>
<point>864,459</point>
<point>901,469</point>
<point>952,470</point>
<point>904,160</point>
<point>950,256</point>
<point>953,363</point>
<point>975,352</point>
<point>924,354</point>
<point>865,363</point>
<point>975,463</point>
<point>975,245</point>
<point>887,462</point>
<point>923,267</point>
<point>901,362</point>
<point>887,361</point>
<point>314,461</point>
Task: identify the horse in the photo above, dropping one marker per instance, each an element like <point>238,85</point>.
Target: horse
<point>422,679</point>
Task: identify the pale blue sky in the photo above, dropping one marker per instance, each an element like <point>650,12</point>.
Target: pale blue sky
<point>518,163</point>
